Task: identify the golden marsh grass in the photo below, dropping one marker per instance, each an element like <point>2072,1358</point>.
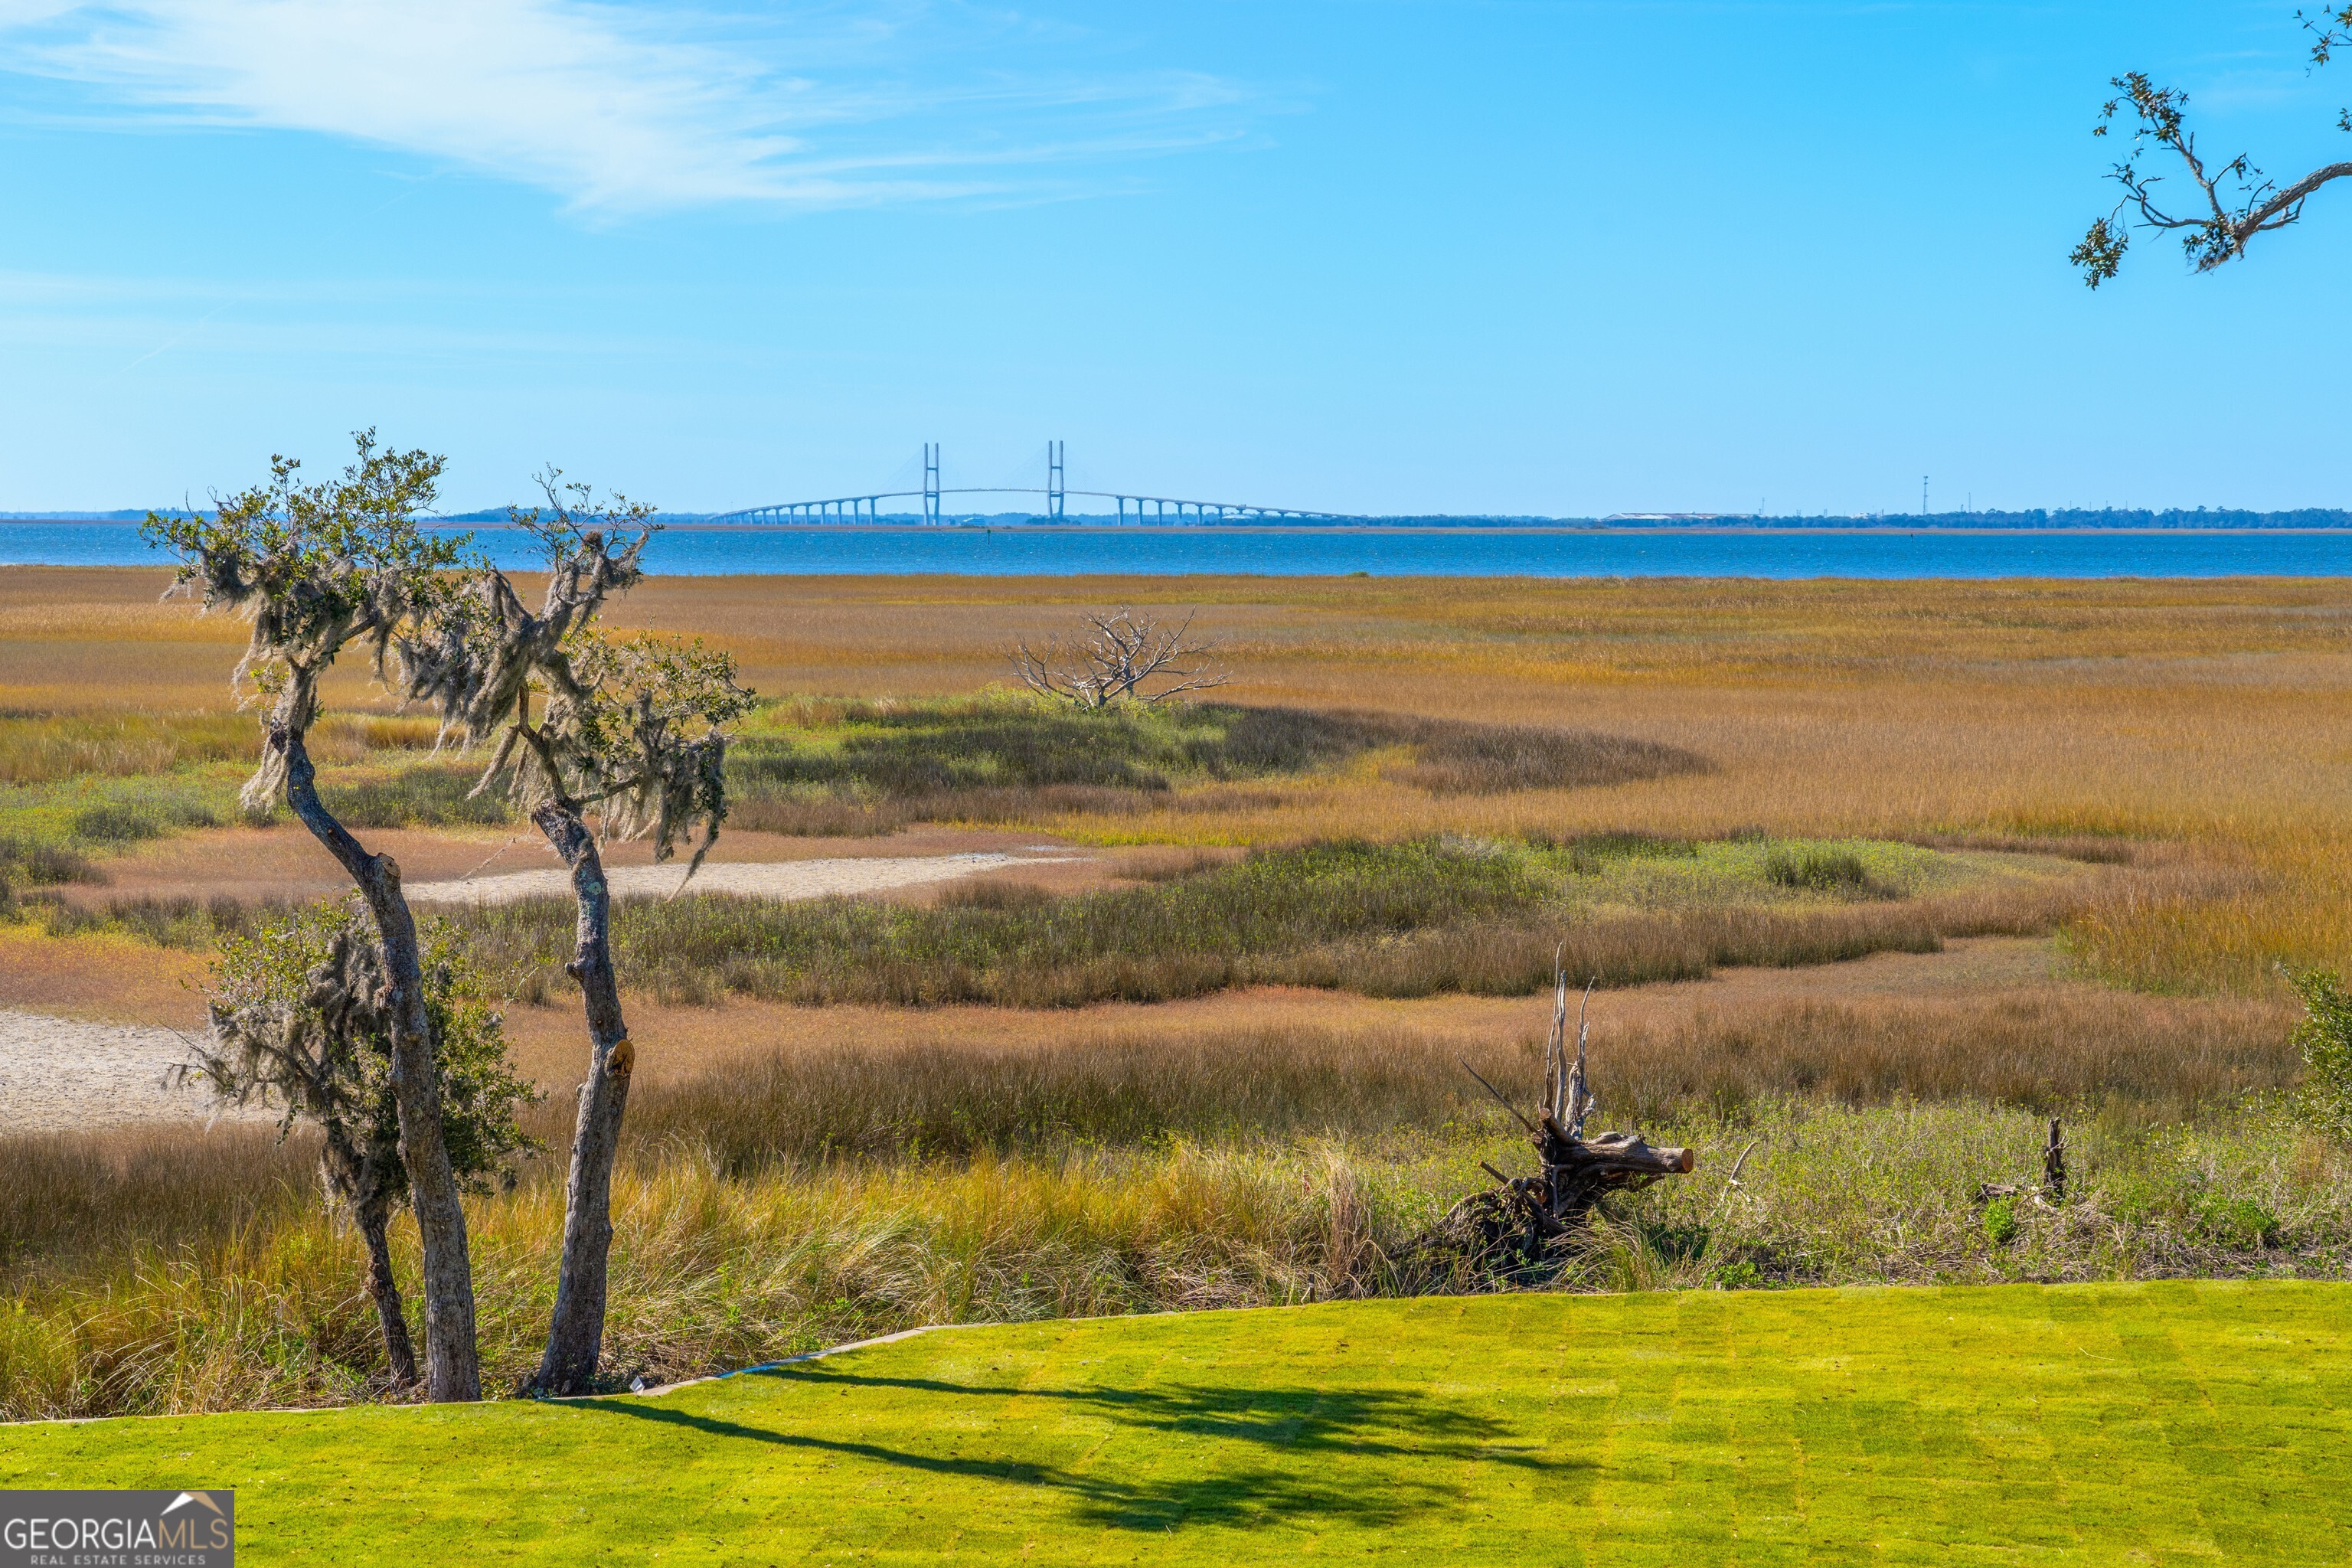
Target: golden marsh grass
<point>798,1175</point>
<point>2208,713</point>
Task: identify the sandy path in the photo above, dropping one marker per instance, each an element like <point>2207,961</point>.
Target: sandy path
<point>61,1073</point>
<point>284,862</point>
<point>775,880</point>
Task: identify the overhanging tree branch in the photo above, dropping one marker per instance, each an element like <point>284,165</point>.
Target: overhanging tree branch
<point>2235,202</point>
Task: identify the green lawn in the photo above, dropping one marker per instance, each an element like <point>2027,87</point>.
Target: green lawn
<point>2161,1423</point>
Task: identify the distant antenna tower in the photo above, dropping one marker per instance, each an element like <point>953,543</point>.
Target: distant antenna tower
<point>1056,479</point>
<point>930,482</point>
<point>1923,495</point>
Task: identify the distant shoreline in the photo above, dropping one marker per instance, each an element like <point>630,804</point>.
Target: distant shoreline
<point>1573,529</point>
<point>692,525</point>
<point>892,547</point>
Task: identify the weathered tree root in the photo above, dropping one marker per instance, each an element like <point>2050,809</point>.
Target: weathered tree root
<point>1511,1228</point>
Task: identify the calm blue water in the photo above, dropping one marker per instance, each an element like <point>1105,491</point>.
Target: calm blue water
<point>1445,552</point>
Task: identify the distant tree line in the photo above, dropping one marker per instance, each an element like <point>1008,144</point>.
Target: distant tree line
<point>2037,517</point>
<point>2065,516</point>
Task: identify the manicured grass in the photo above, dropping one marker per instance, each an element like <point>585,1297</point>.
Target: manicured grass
<point>2158,1422</point>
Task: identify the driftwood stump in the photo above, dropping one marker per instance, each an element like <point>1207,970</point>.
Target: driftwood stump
<point>2053,1190</point>
<point>1578,1172</point>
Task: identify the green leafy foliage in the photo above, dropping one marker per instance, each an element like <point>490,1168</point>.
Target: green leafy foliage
<point>642,733</point>
<point>2236,1222</point>
<point>2324,1039</point>
<point>286,1038</point>
<point>315,567</point>
<point>632,728</point>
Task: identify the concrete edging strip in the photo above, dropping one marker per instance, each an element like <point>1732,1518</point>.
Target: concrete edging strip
<point>649,1392</point>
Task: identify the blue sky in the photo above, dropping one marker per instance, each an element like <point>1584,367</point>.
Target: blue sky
<point>1360,255</point>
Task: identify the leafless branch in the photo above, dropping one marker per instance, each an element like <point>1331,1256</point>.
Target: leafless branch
<point>1120,657</point>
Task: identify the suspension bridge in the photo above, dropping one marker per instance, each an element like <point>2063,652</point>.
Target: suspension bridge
<point>1129,507</point>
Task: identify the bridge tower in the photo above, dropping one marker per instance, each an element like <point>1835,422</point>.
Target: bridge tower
<point>930,482</point>
<point>1056,477</point>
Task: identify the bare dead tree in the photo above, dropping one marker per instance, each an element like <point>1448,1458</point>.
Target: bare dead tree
<point>628,729</point>
<point>2234,202</point>
<point>317,568</point>
<point>302,1018</point>
<point>1119,656</point>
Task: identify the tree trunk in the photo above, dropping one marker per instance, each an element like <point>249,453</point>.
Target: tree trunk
<point>453,1366</point>
<point>397,1351</point>
<point>575,1340</point>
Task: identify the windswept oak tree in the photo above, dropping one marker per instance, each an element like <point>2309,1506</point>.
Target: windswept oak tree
<point>630,730</point>
<point>319,568</point>
<point>302,1020</point>
<point>2234,202</point>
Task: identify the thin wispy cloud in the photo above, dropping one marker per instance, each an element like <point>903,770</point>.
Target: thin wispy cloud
<point>619,109</point>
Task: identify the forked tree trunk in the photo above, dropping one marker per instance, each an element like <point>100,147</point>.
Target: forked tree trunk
<point>575,1339</point>
<point>453,1367</point>
<point>398,1352</point>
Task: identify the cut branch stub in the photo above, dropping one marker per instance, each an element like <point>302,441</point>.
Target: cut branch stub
<point>1581,1171</point>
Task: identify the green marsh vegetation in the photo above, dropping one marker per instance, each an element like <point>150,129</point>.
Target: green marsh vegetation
<point>1391,918</point>
<point>834,1195</point>
<point>77,789</point>
<point>1414,917</point>
<point>1405,919</point>
<point>822,1195</point>
<point>819,766</point>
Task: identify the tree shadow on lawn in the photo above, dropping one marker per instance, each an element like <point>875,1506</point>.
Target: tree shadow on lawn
<point>1355,1423</point>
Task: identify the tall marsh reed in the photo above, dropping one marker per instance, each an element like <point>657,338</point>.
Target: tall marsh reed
<point>712,1271</point>
<point>2181,741</point>
<point>824,1195</point>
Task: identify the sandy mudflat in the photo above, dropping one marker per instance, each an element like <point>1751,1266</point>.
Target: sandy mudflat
<point>61,1073</point>
<point>772,879</point>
